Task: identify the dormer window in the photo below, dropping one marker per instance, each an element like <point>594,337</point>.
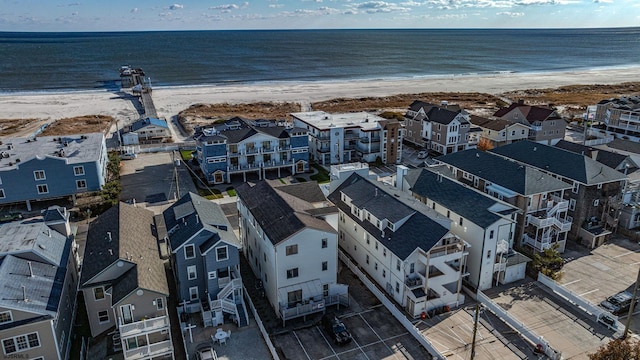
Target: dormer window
<point>356,211</point>
<point>391,225</point>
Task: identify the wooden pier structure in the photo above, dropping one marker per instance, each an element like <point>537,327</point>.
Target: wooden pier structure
<point>134,78</point>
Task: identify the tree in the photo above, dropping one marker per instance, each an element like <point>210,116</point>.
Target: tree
<point>549,262</point>
<point>617,350</point>
<point>484,144</point>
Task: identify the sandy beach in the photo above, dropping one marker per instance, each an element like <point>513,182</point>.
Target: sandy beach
<point>170,101</point>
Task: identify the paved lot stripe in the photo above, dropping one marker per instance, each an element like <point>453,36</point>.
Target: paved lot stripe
<point>588,292</point>
<point>328,343</point>
<point>385,344</point>
<point>364,346</point>
<point>359,347</point>
<point>299,342</point>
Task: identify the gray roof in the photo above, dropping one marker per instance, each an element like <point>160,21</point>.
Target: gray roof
<point>468,203</point>
<point>237,129</point>
<point>149,121</point>
<point>609,158</point>
<point>625,145</point>
<point>43,290</point>
<point>55,213</point>
<point>308,191</point>
<point>193,213</point>
<point>33,239</point>
<point>124,233</point>
<point>419,231</point>
<point>279,212</point>
<point>519,178</point>
<point>75,149</point>
<point>565,163</point>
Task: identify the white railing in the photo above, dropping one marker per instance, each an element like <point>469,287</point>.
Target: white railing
<point>539,245</point>
<point>562,224</point>
<point>144,326</point>
<point>301,309</point>
<point>152,350</point>
<point>228,289</point>
<point>499,267</point>
<point>224,305</point>
<point>540,222</point>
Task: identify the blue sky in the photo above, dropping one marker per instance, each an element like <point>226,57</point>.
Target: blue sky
<point>119,15</point>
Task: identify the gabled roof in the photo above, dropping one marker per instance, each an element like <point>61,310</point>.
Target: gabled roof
<point>43,290</point>
<point>531,112</point>
<point>609,158</point>
<point>191,214</point>
<point>279,211</point>
<point>443,116</point>
<point>308,191</point>
<point>565,163</point>
<point>149,121</point>
<point>419,231</point>
<point>124,233</point>
<point>519,178</point>
<point>493,124</point>
<point>33,237</point>
<point>468,203</point>
<point>55,213</point>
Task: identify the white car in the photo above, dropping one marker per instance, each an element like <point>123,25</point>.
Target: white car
<point>128,156</point>
<point>423,154</point>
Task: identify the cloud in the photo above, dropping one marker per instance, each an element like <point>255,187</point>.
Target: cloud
<point>275,6</point>
<point>134,10</point>
<point>225,7</point>
<point>176,6</point>
<point>373,7</point>
<point>460,4</point>
<point>75,13</point>
<point>510,14</point>
<point>603,1</point>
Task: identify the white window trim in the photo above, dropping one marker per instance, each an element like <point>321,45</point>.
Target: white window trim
<point>16,344</point>
<point>80,173</point>
<point>192,292</point>
<point>227,251</point>
<point>108,318</point>
<point>185,251</point>
<point>104,295</point>
<point>2,194</point>
<point>192,270</point>
<point>212,275</point>
<point>46,188</point>
<point>572,204</point>
<point>78,184</point>
<point>160,301</point>
<point>35,176</point>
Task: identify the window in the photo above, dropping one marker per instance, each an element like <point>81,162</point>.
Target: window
<point>81,184</point>
<point>191,272</point>
<point>576,187</point>
<point>2,196</point>
<point>103,316</point>
<point>377,242</point>
<point>212,275</point>
<point>384,252</point>
<point>39,175</point>
<point>221,253</point>
<point>491,234</point>
<point>375,266</point>
<point>599,186</point>
<point>367,259</point>
<point>189,251</point>
<point>5,317</point>
<point>384,273</point>
<point>412,268</point>
<point>596,202</point>
<point>448,214</point>
<point>325,290</point>
<point>366,236</point>
<point>461,220</point>
<point>160,303</point>
<point>292,273</point>
<point>572,204</point>
<point>78,170</point>
<point>20,343</point>
<point>398,264</point>
<point>325,266</point>
<point>98,293</point>
<point>488,254</point>
<point>43,189</point>
<point>292,249</point>
<point>193,293</point>
<point>324,243</point>
<point>397,287</point>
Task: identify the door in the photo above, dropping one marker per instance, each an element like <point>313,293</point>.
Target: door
<point>410,306</point>
<point>127,314</point>
<point>300,167</point>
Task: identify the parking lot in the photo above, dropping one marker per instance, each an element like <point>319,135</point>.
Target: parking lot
<point>376,335</point>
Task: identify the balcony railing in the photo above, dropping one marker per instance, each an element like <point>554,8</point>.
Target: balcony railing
<point>413,282</point>
<point>252,166</point>
<point>540,244</point>
<point>499,267</point>
<point>445,250</point>
<point>149,351</point>
<point>143,326</point>
<point>302,309</point>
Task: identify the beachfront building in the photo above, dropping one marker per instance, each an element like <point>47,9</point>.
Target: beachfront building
<point>241,146</point>
<point>594,198</point>
<point>291,247</point>
<point>124,283</point>
<point>205,258</point>
<point>543,220</point>
<point>146,131</point>
<point>497,132</point>
<point>546,126</point>
<point>486,223</point>
<point>443,129</point>
<point>620,115</point>
<point>403,245</point>
<point>50,167</point>
<point>348,137</point>
<point>39,273</point>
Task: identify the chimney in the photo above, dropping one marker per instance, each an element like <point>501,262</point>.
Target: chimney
<point>401,171</point>
<point>520,101</point>
<point>197,219</point>
<point>24,294</point>
<point>30,269</point>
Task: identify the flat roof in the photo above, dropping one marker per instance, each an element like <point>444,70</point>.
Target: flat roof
<point>325,121</point>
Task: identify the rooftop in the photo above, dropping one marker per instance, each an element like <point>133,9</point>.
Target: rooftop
<point>325,121</point>
<point>34,237</point>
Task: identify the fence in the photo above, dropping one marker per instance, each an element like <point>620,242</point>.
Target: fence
<point>391,307</point>
<point>265,335</point>
<point>527,333</point>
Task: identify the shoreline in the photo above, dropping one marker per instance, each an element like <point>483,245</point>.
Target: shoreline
<point>171,100</point>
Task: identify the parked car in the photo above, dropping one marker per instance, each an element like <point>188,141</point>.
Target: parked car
<point>423,154</point>
<point>206,353</point>
<point>336,329</point>
<point>128,156</point>
<point>618,303</point>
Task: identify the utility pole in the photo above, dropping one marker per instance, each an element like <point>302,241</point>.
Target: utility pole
<point>633,303</point>
<point>475,330</point>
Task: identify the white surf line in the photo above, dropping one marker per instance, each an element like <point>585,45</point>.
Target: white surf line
<point>572,282</point>
<point>385,344</point>
<point>588,292</point>
<point>328,343</point>
<point>299,342</point>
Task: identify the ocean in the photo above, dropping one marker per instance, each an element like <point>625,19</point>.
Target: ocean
<point>36,62</point>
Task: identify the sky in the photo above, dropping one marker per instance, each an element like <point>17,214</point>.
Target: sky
<point>145,15</point>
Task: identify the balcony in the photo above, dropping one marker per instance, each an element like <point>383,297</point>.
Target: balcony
<point>276,164</point>
<point>323,149</point>
<point>301,309</point>
<point>149,351</point>
<point>323,137</point>
<point>536,127</point>
<point>246,167</point>
<point>351,135</point>
<point>445,250</point>
<point>414,281</point>
<point>540,244</point>
<point>143,326</point>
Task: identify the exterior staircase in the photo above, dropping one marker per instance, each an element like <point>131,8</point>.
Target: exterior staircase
<point>243,319</point>
<point>227,302</point>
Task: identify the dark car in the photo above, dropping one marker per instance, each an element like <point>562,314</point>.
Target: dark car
<point>336,329</point>
<point>618,303</point>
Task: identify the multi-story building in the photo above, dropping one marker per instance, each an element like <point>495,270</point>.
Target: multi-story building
<point>205,257</point>
<point>48,167</point>
<point>144,131</point>
<point>498,132</point>
<point>124,283</point>
<point>594,199</point>
<point>348,137</point>
<point>444,129</point>
<point>241,146</point>
<point>543,221</point>
<point>291,247</point>
<point>546,126</point>
<point>39,276</point>
<point>486,223</point>
<point>402,245</point>
<point>620,115</point>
